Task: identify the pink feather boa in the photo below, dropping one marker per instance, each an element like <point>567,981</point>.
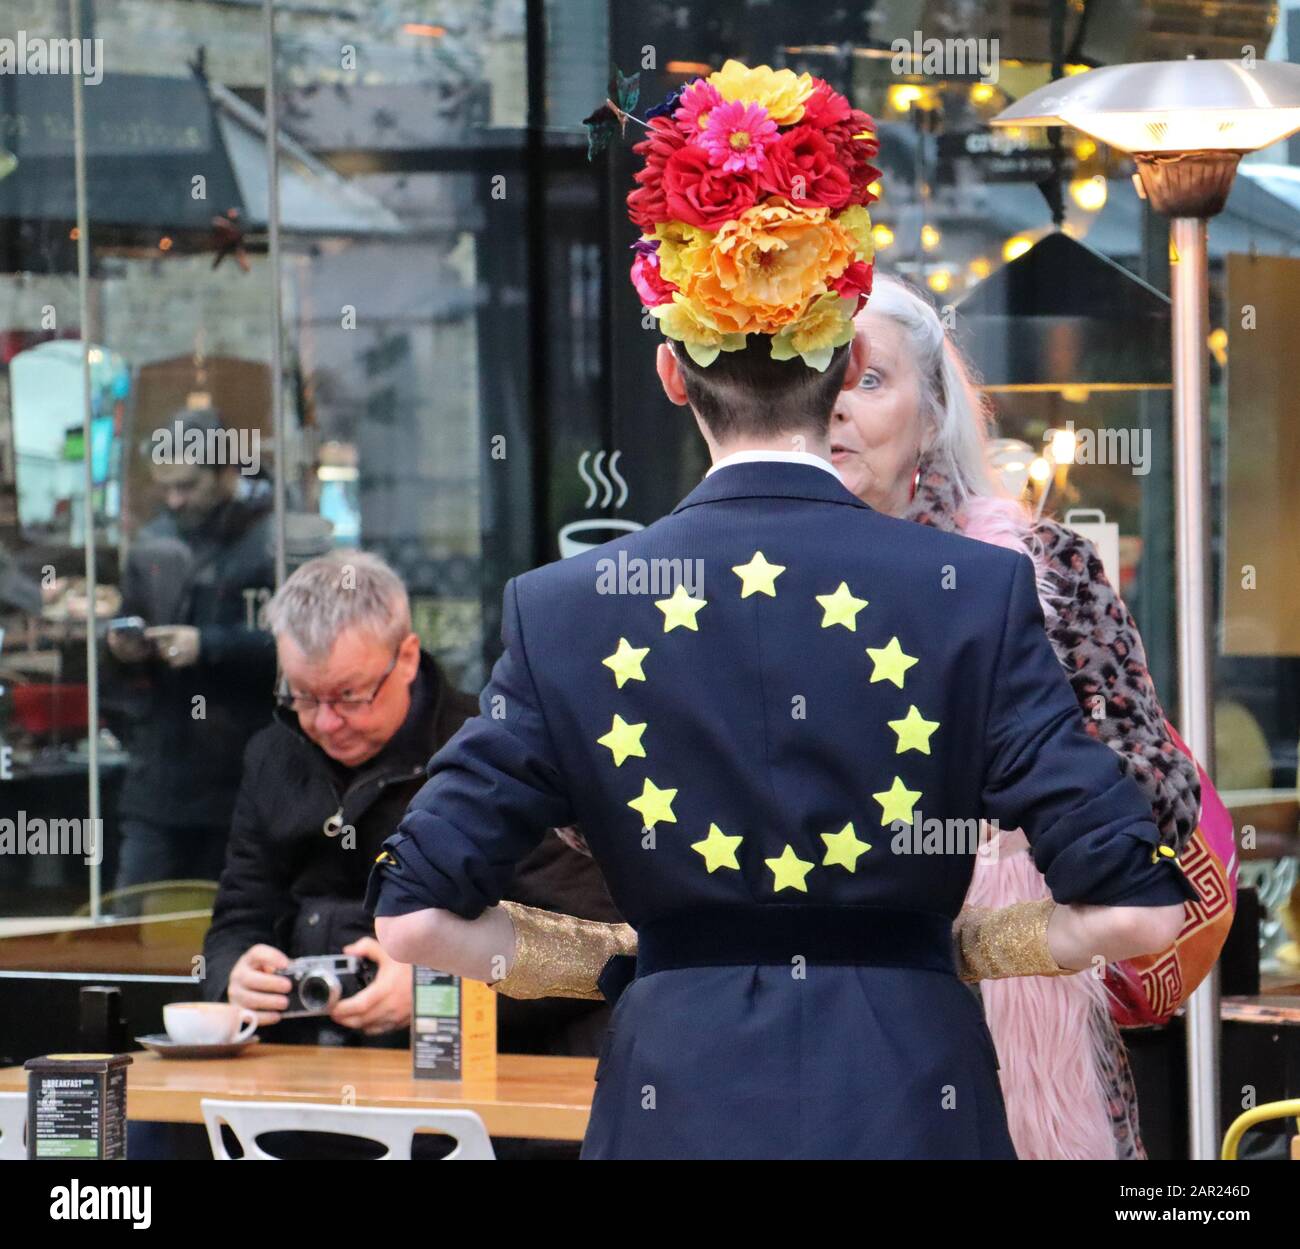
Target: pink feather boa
<point>1043,1026</point>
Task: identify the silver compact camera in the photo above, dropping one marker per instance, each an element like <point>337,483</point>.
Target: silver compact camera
<point>321,980</point>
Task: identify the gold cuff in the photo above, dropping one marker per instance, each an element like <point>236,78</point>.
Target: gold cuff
<point>993,944</point>
<point>560,955</point>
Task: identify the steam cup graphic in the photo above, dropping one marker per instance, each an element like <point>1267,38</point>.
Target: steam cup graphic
<point>607,527</point>
<point>570,545</point>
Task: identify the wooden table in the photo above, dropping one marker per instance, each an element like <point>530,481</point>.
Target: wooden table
<point>537,1097</point>
<point>1262,1008</point>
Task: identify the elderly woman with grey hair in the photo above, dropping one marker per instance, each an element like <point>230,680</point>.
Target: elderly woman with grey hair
<point>911,440</point>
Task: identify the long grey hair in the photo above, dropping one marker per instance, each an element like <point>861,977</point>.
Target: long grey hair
<point>962,421</point>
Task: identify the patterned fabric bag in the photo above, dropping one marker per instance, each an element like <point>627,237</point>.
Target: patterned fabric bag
<point>1149,989</point>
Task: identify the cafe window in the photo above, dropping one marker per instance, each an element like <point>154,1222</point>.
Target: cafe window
<point>199,465</point>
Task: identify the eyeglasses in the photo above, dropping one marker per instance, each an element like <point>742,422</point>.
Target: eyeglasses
<point>305,704</point>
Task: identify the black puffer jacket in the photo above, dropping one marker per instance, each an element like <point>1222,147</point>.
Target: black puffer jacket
<point>290,885</point>
<point>184,767</point>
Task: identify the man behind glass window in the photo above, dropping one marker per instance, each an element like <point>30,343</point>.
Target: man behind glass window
<point>194,688</point>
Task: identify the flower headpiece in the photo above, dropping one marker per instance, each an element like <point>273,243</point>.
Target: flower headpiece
<point>753,217</point>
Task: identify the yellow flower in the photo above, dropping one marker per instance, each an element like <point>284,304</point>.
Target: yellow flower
<point>695,329</point>
<point>826,325</point>
<point>763,268</point>
<point>855,221</point>
<point>780,91</point>
<point>682,250</point>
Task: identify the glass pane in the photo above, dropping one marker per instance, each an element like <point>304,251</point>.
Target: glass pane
<point>44,593</point>
<point>406,306</point>
<point>181,284</point>
<point>1257,693</point>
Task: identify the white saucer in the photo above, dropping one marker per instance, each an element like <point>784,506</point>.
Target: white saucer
<point>162,1045</point>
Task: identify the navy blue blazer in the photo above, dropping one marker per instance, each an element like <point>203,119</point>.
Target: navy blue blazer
<point>779,767</point>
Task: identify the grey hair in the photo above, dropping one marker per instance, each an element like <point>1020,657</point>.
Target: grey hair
<point>345,589</point>
<point>950,399</point>
<point>951,403</point>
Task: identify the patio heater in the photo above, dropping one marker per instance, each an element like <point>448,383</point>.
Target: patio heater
<point>1186,124</point>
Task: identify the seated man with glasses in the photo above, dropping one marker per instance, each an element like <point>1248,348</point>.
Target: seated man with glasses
<point>361,709</point>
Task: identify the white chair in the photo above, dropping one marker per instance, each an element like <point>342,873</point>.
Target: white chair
<point>394,1129</point>
<point>13,1126</point>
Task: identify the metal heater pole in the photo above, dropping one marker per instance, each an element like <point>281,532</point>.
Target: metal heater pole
<point>1189,290</point>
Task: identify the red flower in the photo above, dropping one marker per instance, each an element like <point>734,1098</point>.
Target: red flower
<point>855,281</point>
<point>859,123</point>
<point>804,166</point>
<point>662,139</point>
<point>703,196</point>
<point>855,154</point>
<point>825,107</point>
<point>862,180</point>
<point>646,205</point>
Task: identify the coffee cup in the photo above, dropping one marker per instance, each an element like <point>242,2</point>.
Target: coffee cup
<point>208,1023</point>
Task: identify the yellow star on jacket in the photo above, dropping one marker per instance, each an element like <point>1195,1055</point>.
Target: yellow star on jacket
<point>758,576</point>
<point>789,871</point>
<point>625,663</point>
<point>623,740</point>
<point>654,804</point>
<point>897,802</point>
<point>718,849</point>
<point>914,731</point>
<point>890,662</point>
<point>844,848</point>
<point>681,609</point>
<point>841,608</point>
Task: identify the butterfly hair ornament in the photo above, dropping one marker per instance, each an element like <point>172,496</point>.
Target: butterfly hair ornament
<point>752,207</point>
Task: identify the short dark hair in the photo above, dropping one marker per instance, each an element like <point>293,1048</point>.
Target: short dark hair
<point>203,419</point>
<point>747,393</point>
<point>207,421</point>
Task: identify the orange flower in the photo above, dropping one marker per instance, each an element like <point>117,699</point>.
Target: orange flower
<point>765,267</point>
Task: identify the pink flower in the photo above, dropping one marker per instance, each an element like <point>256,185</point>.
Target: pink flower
<point>649,282</point>
<point>737,135</point>
<point>698,99</point>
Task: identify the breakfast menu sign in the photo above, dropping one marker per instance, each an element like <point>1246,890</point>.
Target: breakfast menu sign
<point>76,1106</point>
<point>453,1027</point>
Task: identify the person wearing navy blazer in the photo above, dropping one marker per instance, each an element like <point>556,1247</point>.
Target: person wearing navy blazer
<point>779,762</point>
<point>777,717</point>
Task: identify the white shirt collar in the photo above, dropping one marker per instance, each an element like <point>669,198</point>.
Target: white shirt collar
<point>778,457</point>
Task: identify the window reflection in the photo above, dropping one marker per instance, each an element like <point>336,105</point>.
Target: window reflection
<point>395,253</point>
<point>189,665</point>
